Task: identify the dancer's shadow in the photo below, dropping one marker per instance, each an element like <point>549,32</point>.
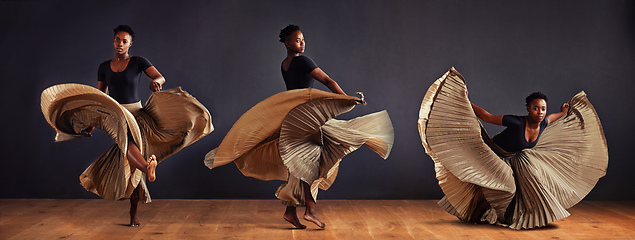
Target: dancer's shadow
<point>484,225</point>
<point>278,226</point>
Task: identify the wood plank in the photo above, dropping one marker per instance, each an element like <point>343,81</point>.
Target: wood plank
<point>415,215</point>
<point>203,219</point>
<point>18,214</point>
<point>341,220</point>
<point>605,221</point>
<point>54,217</point>
<point>262,219</point>
<point>383,224</point>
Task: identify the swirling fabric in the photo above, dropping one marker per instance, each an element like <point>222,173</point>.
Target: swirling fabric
<point>169,121</point>
<point>526,189</point>
<point>293,136</point>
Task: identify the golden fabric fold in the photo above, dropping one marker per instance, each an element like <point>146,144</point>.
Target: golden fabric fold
<point>293,136</point>
<point>521,190</point>
<point>68,108</point>
<point>170,120</point>
<point>338,138</point>
<point>451,134</point>
<point>310,139</point>
<point>259,129</point>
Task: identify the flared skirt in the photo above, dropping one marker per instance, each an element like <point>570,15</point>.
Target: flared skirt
<point>169,121</point>
<point>293,136</point>
<point>526,189</point>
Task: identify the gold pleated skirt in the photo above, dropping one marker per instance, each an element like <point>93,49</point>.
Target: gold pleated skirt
<point>169,121</point>
<point>293,136</point>
<point>522,190</point>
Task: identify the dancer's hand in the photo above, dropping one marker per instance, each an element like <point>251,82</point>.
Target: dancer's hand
<point>155,86</point>
<point>564,107</point>
<point>361,96</point>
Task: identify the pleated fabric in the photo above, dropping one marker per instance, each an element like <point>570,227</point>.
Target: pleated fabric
<point>520,190</point>
<point>169,121</point>
<point>293,136</point>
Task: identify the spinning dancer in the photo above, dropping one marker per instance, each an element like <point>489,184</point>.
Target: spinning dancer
<point>144,136</point>
<point>292,135</point>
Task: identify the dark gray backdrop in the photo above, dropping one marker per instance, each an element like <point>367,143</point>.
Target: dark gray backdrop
<point>226,54</point>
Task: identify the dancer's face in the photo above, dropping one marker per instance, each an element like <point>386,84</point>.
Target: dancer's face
<point>295,42</point>
<point>122,42</point>
<point>537,109</point>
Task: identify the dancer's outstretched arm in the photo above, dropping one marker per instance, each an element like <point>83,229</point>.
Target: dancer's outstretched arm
<point>486,116</point>
<point>321,76</point>
<point>555,116</point>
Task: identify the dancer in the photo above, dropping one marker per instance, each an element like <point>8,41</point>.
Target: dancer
<point>292,135</point>
<point>144,136</point>
<point>526,176</point>
<point>298,72</point>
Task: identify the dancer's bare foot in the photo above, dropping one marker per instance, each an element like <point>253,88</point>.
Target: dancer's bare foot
<point>294,220</point>
<point>152,166</point>
<point>314,219</point>
<point>134,203</point>
<point>291,216</point>
<point>134,220</point>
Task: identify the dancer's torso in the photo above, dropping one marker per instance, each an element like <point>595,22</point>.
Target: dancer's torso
<point>512,139</point>
<point>297,76</point>
<point>122,86</point>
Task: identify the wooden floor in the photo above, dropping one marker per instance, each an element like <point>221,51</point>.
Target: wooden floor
<point>262,219</point>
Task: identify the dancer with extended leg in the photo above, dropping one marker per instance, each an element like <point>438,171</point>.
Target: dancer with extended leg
<point>144,136</point>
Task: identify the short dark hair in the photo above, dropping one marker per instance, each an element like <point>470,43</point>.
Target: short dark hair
<point>124,28</point>
<point>287,30</point>
<point>535,95</point>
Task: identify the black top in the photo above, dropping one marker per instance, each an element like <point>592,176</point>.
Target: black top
<point>512,139</point>
<point>122,86</point>
<point>297,77</point>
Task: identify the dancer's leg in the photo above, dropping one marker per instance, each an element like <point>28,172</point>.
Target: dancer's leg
<point>136,160</point>
<point>309,213</point>
<point>291,216</point>
<point>134,201</point>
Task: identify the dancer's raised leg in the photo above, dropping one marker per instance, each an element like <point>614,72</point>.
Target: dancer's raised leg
<point>136,160</point>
